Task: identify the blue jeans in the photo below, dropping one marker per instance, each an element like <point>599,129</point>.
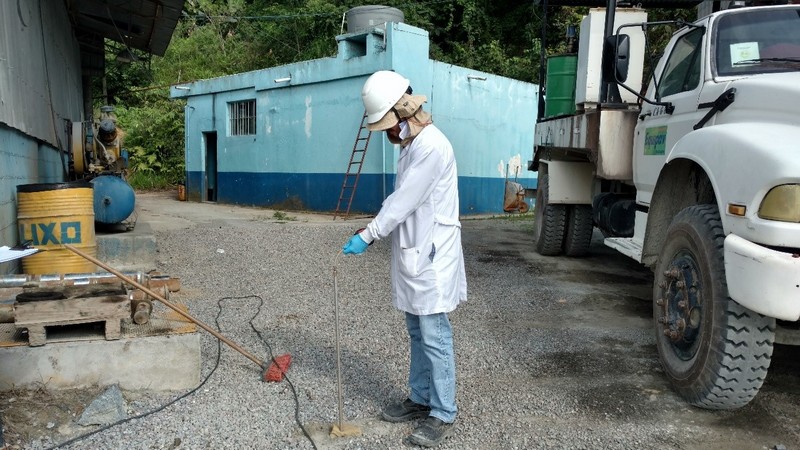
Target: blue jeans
<point>432,375</point>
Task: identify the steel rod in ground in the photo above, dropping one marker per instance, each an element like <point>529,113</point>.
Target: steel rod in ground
<point>168,304</point>
<point>338,350</point>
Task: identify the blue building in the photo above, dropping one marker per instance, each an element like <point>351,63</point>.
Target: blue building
<point>283,136</point>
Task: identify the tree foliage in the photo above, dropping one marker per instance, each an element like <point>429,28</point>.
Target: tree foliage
<point>154,136</point>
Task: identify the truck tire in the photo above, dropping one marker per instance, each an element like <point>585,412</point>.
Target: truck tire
<point>715,352</point>
<point>548,221</point>
<point>579,230</point>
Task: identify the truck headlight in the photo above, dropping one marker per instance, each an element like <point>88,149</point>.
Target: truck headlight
<point>781,203</point>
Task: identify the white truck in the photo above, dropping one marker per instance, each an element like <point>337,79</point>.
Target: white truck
<point>698,179</point>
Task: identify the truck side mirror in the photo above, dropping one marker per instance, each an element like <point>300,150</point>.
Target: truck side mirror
<point>616,55</point>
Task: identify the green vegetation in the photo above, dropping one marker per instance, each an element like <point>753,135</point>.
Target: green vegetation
<point>282,216</point>
<point>149,181</point>
<point>512,217</point>
<point>154,139</point>
<point>222,37</point>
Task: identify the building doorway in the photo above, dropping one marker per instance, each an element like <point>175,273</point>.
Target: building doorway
<point>210,139</point>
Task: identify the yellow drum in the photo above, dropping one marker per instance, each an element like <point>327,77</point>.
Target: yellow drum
<point>51,214</point>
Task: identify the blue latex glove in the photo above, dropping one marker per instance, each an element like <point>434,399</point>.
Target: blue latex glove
<point>355,246</point>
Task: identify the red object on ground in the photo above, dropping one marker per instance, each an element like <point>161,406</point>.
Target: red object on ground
<point>277,369</point>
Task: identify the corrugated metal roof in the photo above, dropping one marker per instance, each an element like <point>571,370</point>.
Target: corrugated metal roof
<point>145,25</point>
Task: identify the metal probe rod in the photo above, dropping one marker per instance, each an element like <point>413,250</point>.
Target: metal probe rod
<point>338,352</point>
<point>168,304</point>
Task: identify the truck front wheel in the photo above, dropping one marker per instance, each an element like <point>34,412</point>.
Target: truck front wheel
<point>548,220</point>
<point>715,352</point>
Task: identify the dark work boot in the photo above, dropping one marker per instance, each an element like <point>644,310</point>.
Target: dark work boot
<point>431,432</point>
<point>402,412</point>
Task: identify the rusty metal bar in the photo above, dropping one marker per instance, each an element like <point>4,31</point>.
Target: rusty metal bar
<point>338,350</point>
<point>168,304</point>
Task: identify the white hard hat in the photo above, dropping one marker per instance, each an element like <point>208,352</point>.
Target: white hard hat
<point>380,93</point>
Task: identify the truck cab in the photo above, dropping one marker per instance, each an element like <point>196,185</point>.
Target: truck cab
<point>699,179</point>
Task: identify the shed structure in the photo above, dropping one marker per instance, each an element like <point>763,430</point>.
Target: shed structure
<point>282,136</point>
<point>49,52</point>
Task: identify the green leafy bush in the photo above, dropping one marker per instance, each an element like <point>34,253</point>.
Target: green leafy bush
<point>155,141</point>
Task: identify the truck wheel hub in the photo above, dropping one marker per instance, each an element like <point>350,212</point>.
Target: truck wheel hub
<point>682,306</point>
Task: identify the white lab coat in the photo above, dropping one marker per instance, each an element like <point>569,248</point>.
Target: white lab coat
<point>421,215</point>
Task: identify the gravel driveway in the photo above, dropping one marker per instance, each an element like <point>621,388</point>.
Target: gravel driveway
<point>551,353</point>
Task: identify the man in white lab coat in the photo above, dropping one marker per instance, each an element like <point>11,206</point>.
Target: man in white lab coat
<point>427,267</point>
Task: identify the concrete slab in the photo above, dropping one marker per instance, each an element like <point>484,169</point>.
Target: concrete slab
<point>134,363</point>
<point>133,250</point>
<point>78,356</point>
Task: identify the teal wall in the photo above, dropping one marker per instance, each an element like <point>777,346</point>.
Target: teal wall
<point>307,125</point>
<point>40,89</point>
<point>23,160</point>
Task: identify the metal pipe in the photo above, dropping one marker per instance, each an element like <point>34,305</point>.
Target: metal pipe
<point>11,281</point>
<point>338,352</point>
<point>6,313</point>
<point>168,304</point>
<point>542,63</point>
<point>609,92</point>
<point>383,167</point>
<point>8,281</point>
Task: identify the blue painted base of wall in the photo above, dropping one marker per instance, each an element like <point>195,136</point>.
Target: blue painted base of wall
<point>320,191</point>
<point>23,160</point>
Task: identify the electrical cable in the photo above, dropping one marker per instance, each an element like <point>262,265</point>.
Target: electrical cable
<point>121,38</point>
<point>50,96</point>
<point>19,13</point>
<point>272,357</point>
<point>213,370</point>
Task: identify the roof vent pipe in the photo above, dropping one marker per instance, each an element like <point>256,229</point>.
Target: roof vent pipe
<point>364,18</point>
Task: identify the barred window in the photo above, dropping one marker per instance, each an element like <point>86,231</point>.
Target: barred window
<point>242,118</point>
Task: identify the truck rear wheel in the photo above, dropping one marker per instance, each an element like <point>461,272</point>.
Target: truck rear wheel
<point>579,230</point>
<point>715,352</point>
<point>548,221</point>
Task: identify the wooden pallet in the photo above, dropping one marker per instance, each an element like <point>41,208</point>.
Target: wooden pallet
<point>38,308</point>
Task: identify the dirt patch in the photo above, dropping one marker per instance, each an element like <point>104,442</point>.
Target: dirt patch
<point>620,401</point>
<point>41,413</point>
<point>623,305</point>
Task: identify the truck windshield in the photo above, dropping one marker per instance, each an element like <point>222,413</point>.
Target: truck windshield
<point>758,41</point>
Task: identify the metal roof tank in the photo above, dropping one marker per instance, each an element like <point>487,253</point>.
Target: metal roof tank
<point>362,18</point>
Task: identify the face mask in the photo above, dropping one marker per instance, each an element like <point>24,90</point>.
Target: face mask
<point>404,129</point>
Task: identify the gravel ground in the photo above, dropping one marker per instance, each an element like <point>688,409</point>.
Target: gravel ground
<point>539,363</point>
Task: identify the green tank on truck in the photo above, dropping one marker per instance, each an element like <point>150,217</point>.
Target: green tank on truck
<point>697,177</point>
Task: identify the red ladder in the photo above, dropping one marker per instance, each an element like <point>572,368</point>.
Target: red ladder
<point>354,168</point>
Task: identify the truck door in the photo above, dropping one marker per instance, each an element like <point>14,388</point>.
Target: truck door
<point>680,83</point>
